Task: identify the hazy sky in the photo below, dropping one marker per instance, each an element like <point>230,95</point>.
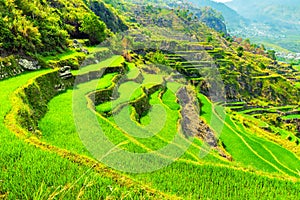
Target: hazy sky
<point>222,0</point>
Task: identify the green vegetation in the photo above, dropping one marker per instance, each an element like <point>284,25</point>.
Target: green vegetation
<point>184,169</point>
<point>30,27</point>
<point>231,184</point>
<point>124,96</point>
<point>27,171</point>
<point>208,115</point>
<point>240,51</point>
<point>169,99</point>
<point>297,67</point>
<point>94,28</point>
<point>111,62</point>
<point>246,147</point>
<point>108,15</point>
<point>268,22</point>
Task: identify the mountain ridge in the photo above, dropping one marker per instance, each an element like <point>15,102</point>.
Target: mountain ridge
<point>170,105</point>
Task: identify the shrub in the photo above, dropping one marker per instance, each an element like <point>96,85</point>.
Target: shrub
<point>95,28</point>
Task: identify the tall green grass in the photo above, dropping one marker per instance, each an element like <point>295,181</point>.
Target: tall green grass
<point>31,173</point>
<point>59,129</point>
<point>291,117</point>
<point>191,181</point>
<point>246,148</point>
<point>126,92</point>
<point>161,136</point>
<point>169,99</point>
<point>110,62</point>
<point>189,177</point>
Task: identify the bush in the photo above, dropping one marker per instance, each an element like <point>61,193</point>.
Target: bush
<point>95,29</point>
<point>240,51</point>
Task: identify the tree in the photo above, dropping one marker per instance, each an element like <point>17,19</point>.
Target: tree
<point>209,38</point>
<point>271,54</point>
<point>261,65</point>
<point>94,28</point>
<point>240,51</point>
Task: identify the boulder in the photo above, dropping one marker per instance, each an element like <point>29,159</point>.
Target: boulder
<point>29,65</point>
<point>85,51</point>
<point>65,72</point>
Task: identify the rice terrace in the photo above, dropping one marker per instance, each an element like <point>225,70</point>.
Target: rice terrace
<point>143,99</point>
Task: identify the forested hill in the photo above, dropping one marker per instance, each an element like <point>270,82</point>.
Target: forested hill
<point>233,19</point>
<point>274,22</point>
<point>31,26</point>
<point>269,10</point>
<point>44,26</point>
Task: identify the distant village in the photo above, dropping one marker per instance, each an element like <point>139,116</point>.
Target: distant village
<point>288,56</point>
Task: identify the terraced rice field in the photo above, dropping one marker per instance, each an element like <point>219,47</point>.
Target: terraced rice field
<point>139,128</point>
<point>249,152</point>
<point>247,147</point>
<point>152,123</point>
<point>41,174</point>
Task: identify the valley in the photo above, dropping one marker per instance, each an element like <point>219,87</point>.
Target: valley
<point>166,108</point>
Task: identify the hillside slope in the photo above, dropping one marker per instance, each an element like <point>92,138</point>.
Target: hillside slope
<point>233,19</point>
<point>273,21</point>
<point>166,109</point>
<point>29,27</point>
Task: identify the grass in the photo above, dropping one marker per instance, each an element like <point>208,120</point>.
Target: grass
<point>70,53</point>
<point>291,117</point>
<point>31,173</point>
<point>242,145</point>
<point>256,121</point>
<point>217,180</point>
<point>150,79</point>
<point>56,125</point>
<point>283,133</point>
<point>105,81</point>
<point>126,92</point>
<point>133,71</point>
<point>65,55</point>
<point>273,154</point>
<point>169,98</point>
<point>212,182</point>
<point>95,49</point>
<point>297,67</point>
<point>130,90</point>
<point>111,62</point>
<point>60,115</point>
<point>59,128</point>
<point>162,128</point>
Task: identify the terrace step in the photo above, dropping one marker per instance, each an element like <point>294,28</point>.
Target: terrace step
<point>192,67</point>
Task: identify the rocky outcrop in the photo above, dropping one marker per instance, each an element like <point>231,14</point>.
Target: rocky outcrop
<point>191,123</point>
<point>78,45</point>
<point>213,22</point>
<point>29,65</point>
<point>193,126</point>
<point>11,66</point>
<point>65,72</point>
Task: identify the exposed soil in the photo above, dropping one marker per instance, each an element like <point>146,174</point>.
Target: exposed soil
<point>191,124</point>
